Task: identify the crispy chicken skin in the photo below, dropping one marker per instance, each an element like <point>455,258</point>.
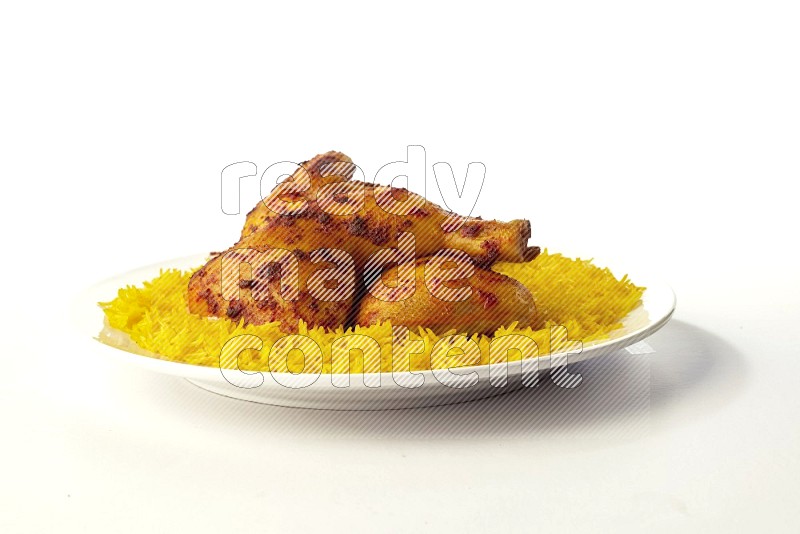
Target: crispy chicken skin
<point>494,300</point>
<point>321,207</point>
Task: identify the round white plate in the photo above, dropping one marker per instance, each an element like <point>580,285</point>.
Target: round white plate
<point>378,391</point>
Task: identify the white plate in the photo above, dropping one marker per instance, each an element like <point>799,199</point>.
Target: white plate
<point>286,389</point>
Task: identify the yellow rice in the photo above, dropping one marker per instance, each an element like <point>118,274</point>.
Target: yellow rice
<point>588,301</point>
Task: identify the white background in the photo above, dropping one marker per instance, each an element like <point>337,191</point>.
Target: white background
<point>662,135</point>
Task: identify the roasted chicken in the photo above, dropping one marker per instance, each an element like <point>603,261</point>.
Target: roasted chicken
<point>302,225</point>
<point>320,207</point>
<point>477,304</point>
<point>261,288</point>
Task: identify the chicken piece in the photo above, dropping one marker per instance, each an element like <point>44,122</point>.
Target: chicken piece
<point>320,210</point>
<point>318,206</point>
<point>476,304</point>
<point>261,288</point>
<point>304,185</point>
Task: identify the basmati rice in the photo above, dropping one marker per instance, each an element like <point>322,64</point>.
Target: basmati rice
<point>589,302</point>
